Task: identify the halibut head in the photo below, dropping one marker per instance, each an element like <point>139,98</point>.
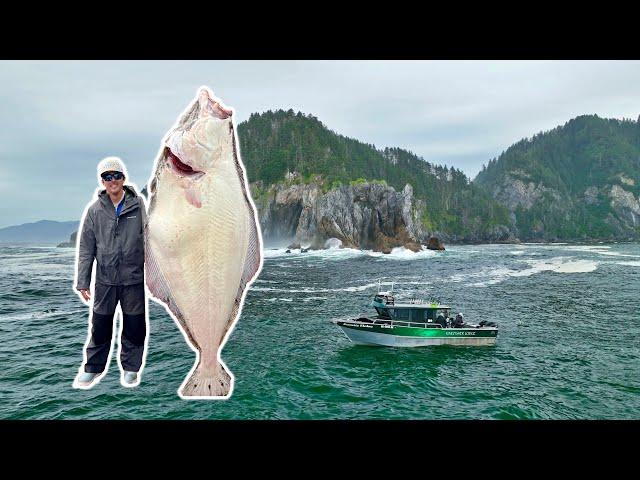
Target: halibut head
<point>202,239</point>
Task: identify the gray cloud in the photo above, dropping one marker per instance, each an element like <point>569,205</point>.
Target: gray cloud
<point>58,119</point>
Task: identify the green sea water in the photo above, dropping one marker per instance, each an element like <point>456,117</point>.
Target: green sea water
<point>568,345</point>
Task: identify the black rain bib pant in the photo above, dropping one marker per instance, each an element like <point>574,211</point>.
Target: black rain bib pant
<point>134,328</point>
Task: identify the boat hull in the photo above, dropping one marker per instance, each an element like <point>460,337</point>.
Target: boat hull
<point>399,336</point>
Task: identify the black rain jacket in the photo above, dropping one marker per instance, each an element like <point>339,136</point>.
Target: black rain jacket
<point>116,243</point>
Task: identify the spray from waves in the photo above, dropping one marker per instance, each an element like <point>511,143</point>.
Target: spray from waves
<point>401,253</point>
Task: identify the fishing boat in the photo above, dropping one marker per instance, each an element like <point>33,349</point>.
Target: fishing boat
<point>414,323</point>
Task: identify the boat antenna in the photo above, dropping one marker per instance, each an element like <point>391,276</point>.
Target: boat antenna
<point>392,283</point>
<point>378,285</point>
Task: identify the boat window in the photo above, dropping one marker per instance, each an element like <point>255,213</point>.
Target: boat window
<point>431,314</point>
<point>417,315</point>
<point>402,314</point>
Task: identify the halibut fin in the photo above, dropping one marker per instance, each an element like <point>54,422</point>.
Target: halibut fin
<point>159,287</point>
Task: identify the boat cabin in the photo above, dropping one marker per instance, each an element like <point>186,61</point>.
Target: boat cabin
<point>413,311</point>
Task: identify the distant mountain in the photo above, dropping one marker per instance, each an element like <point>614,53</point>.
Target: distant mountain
<point>44,231</point>
<point>282,148</point>
<point>578,181</point>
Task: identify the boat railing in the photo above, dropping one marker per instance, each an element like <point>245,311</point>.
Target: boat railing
<point>402,323</point>
<point>417,301</point>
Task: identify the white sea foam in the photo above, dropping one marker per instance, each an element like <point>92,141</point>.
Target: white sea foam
<point>278,252</point>
<point>386,285</point>
<point>576,266</point>
<point>517,252</point>
<point>556,265</point>
<point>616,254</point>
<point>356,288</point>
<point>599,250</point>
<point>559,265</point>
<point>398,253</point>
<point>401,253</point>
<point>308,299</point>
<point>359,288</point>
<point>270,289</point>
<point>632,263</point>
<point>38,315</point>
<point>588,248</point>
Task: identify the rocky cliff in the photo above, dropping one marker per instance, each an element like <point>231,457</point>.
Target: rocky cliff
<point>368,215</point>
<point>579,181</point>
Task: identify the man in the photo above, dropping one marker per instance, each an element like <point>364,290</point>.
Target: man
<point>112,234</point>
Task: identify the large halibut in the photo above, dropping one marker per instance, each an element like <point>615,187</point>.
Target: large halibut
<point>202,239</point>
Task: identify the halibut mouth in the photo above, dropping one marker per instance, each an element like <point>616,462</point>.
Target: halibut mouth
<point>179,167</point>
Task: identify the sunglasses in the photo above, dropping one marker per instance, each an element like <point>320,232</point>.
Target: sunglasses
<point>107,177</point>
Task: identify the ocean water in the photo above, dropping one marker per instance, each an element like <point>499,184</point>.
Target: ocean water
<point>568,345</point>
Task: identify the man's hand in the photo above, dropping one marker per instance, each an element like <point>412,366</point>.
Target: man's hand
<point>86,294</point>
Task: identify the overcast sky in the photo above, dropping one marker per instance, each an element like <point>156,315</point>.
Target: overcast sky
<point>59,118</point>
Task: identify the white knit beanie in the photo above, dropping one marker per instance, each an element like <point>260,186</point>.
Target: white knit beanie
<point>111,164</point>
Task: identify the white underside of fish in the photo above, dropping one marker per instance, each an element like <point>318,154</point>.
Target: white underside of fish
<point>199,261</point>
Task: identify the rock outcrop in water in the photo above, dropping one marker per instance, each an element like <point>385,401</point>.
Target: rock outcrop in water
<point>366,215</point>
<point>71,243</point>
<point>435,244</point>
